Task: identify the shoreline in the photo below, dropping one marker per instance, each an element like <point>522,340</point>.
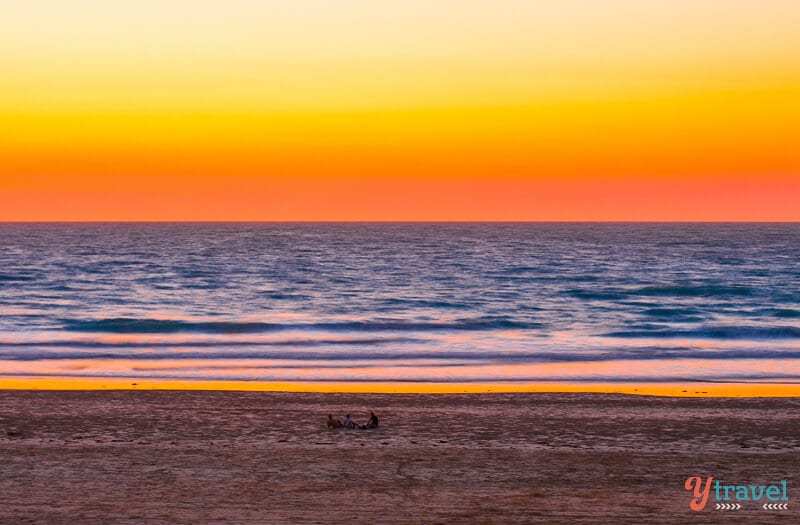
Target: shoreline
<point>666,389</point>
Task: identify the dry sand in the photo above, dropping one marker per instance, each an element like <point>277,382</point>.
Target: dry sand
<point>255,457</point>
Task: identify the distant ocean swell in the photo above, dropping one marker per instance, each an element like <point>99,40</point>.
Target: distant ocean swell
<point>715,332</point>
<point>261,351</point>
<point>706,291</point>
<point>162,326</point>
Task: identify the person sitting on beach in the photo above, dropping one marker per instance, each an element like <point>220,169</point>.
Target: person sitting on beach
<point>349,423</point>
<point>334,423</point>
<point>373,421</point>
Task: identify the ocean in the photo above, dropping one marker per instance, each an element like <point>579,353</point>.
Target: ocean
<point>401,302</point>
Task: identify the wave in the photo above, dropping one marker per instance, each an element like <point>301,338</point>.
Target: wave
<point>521,270</point>
<point>680,291</point>
<point>66,343</point>
<point>15,278</point>
<point>714,332</point>
<point>122,325</point>
<point>785,313</point>
<point>410,357</point>
<point>692,291</point>
<point>685,315</point>
<point>597,295</point>
<point>791,379</point>
<point>424,303</point>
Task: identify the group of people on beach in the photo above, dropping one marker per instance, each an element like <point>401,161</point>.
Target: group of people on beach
<point>349,423</point>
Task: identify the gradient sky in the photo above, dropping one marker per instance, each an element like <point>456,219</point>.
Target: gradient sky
<point>412,110</point>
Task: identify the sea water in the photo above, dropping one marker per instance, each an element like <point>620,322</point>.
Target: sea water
<point>444,302</point>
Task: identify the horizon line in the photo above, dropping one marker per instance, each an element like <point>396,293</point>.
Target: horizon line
<point>420,221</point>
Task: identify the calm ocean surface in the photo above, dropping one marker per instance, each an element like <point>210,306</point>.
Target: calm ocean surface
<point>402,302</point>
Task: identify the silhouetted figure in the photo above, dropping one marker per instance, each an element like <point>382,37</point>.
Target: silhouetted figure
<point>333,423</point>
<point>373,421</point>
<point>349,423</point>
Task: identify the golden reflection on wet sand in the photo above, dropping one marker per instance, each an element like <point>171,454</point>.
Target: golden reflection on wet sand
<point>688,389</point>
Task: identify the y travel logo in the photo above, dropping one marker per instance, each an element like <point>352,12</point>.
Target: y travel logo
<point>736,497</point>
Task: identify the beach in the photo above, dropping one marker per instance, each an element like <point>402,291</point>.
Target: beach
<point>267,457</point>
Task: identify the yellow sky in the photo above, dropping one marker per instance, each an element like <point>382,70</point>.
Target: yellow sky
<point>288,93</point>
<point>318,54</point>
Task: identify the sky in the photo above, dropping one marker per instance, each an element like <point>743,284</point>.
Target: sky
<point>680,110</point>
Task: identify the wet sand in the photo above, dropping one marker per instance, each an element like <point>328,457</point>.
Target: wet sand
<point>266,457</point>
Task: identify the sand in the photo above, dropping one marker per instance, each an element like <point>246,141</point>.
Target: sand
<point>259,457</point>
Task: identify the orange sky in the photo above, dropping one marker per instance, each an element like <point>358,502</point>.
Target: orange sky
<point>573,110</point>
